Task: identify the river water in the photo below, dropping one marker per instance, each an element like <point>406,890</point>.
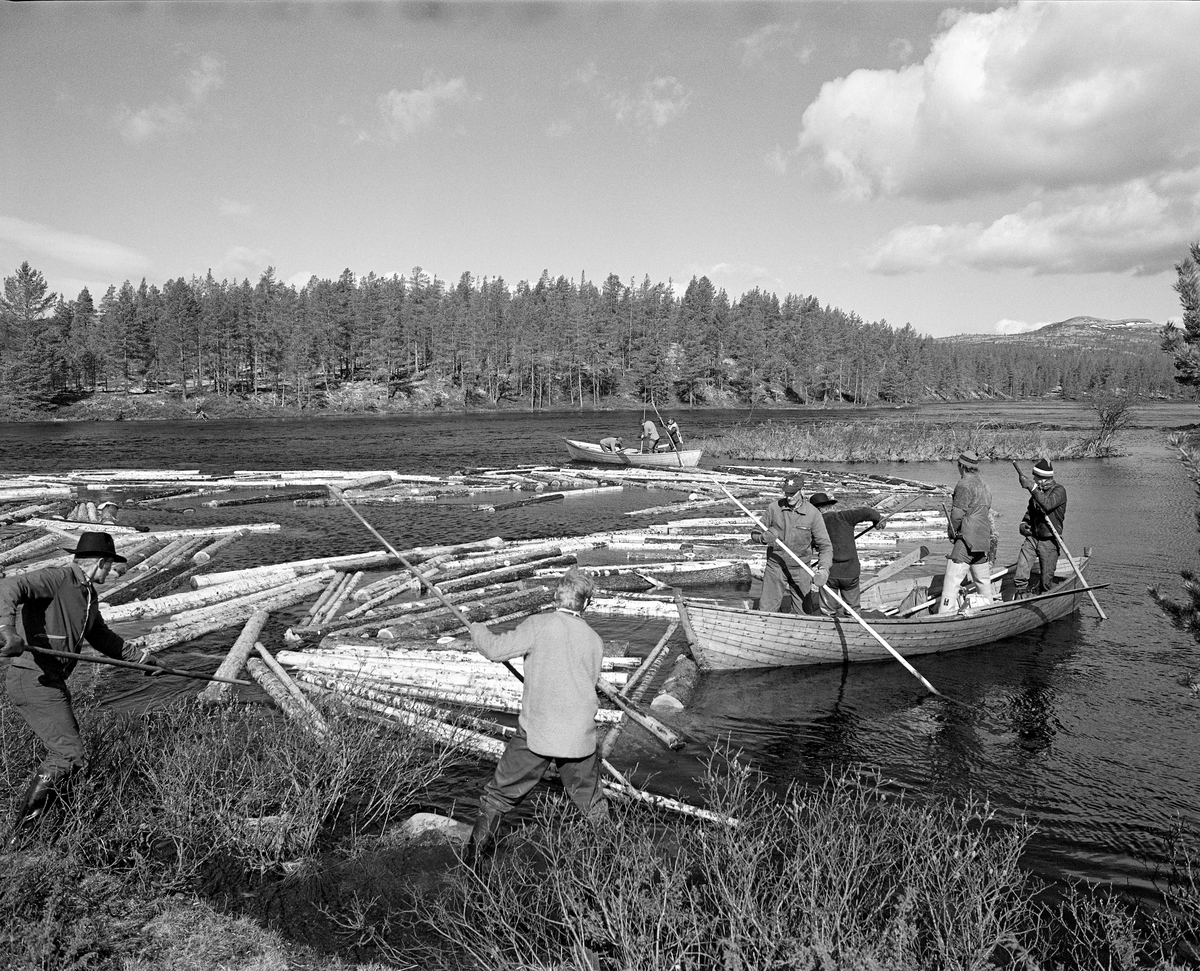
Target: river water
<point>1083,726</point>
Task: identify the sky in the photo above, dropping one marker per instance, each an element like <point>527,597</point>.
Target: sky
<point>966,168</point>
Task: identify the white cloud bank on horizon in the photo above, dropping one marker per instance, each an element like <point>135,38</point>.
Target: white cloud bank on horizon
<point>404,113</point>
<point>1007,326</point>
<point>86,252</point>
<point>1078,105</point>
<point>173,116</point>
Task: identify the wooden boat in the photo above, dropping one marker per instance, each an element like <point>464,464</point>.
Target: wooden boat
<point>726,638</point>
<point>588,452</point>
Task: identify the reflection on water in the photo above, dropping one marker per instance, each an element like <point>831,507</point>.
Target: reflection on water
<point>1083,725</point>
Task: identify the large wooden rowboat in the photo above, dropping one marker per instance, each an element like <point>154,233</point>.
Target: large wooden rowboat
<point>686,458</point>
<point>733,638</point>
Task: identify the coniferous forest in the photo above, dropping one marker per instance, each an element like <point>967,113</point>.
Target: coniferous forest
<point>556,343</point>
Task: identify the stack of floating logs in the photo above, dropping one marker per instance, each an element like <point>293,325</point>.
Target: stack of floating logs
<point>366,630</point>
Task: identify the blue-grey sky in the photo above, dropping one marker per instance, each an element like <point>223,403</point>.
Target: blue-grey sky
<point>965,168</point>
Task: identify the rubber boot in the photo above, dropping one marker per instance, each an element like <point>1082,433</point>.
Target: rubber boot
<point>951,582</point>
<point>981,573</point>
<point>39,794</point>
<point>483,835</point>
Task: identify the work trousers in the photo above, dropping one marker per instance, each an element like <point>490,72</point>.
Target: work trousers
<point>520,769</point>
<point>780,593</point>
<point>845,587</point>
<point>649,444</point>
<point>45,703</point>
<point>1045,553</point>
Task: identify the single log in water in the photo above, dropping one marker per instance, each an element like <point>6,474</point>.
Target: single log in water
<point>235,660</point>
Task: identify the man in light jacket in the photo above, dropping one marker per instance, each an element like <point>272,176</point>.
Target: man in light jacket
<point>796,524</point>
<point>557,723</point>
<point>970,528</point>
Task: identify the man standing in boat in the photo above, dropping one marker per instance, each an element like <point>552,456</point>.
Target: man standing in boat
<point>674,434</point>
<point>846,569</point>
<point>58,608</point>
<point>649,436</point>
<point>796,524</point>
<point>970,529</point>
<point>557,723</point>
<point>1047,506</point>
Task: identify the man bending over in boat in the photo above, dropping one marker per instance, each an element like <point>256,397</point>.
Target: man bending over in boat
<point>1047,505</point>
<point>649,436</point>
<point>58,608</point>
<point>611,444</point>
<point>557,723</point>
<point>796,524</point>
<point>846,569</point>
<point>970,528</point>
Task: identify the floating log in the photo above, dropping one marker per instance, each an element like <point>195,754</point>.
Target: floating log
<point>258,500</point>
<point>185,600</point>
<point>349,561</point>
<point>677,690</point>
<point>294,703</point>
<point>236,659</point>
<point>634,687</point>
<point>338,598</point>
<point>204,556</point>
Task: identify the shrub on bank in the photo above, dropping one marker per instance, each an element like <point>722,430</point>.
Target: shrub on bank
<point>910,440</point>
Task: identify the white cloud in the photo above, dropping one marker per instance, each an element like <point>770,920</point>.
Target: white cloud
<point>658,103</point>
<point>1137,227</point>
<point>772,38</point>
<point>1007,326</point>
<point>242,263</point>
<point>405,112</point>
<point>82,251</point>
<point>174,115</point>
<point>233,208</point>
<point>1053,95</point>
<point>299,280</point>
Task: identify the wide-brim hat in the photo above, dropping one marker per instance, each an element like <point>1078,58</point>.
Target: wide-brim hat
<point>97,545</point>
<point>969,459</point>
<point>792,484</point>
<point>819,499</point>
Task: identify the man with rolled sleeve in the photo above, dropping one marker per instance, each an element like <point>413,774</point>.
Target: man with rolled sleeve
<point>796,524</point>
<point>58,609</point>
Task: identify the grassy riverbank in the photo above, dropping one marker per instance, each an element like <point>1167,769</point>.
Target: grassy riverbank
<point>904,439</point>
<point>207,839</point>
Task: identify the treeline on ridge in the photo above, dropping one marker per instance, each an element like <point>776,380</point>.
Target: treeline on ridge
<point>553,343</point>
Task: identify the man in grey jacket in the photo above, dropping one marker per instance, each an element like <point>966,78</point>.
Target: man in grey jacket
<point>970,528</point>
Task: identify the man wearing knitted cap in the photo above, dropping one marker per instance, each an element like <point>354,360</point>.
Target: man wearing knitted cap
<point>796,524</point>
<point>970,528</point>
<point>1047,506</point>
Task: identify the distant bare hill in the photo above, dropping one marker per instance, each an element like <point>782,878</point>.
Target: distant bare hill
<point>1134,335</point>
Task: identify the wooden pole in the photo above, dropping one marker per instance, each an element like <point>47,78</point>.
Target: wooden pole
<point>893,512</point>
<point>659,730</point>
<point>850,610</point>
<point>1070,559</point>
<point>670,437</point>
<point>134,665</point>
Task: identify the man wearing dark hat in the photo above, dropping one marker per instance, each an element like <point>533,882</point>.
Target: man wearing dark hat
<point>58,610</point>
<point>796,524</point>
<point>845,571</point>
<point>970,528</point>
<point>674,433</point>
<point>1047,505</point>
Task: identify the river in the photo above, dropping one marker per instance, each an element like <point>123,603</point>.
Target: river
<point>1083,726</point>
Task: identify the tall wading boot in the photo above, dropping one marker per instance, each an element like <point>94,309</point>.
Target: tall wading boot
<point>42,789</point>
<point>951,582</point>
<point>483,835</point>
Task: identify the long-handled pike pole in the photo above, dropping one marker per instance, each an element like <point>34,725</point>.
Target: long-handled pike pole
<point>135,666</point>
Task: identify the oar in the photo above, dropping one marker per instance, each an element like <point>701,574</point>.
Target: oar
<point>1043,596</point>
<point>134,665</point>
<point>1070,559</point>
<point>850,610</point>
<point>896,566</point>
<point>668,737</point>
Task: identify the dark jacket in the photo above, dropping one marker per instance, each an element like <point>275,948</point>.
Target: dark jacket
<point>58,611</point>
<point>840,525</point>
<point>1047,502</point>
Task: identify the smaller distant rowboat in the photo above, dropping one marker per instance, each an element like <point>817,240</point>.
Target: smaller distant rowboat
<point>733,638</point>
<point>686,458</point>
